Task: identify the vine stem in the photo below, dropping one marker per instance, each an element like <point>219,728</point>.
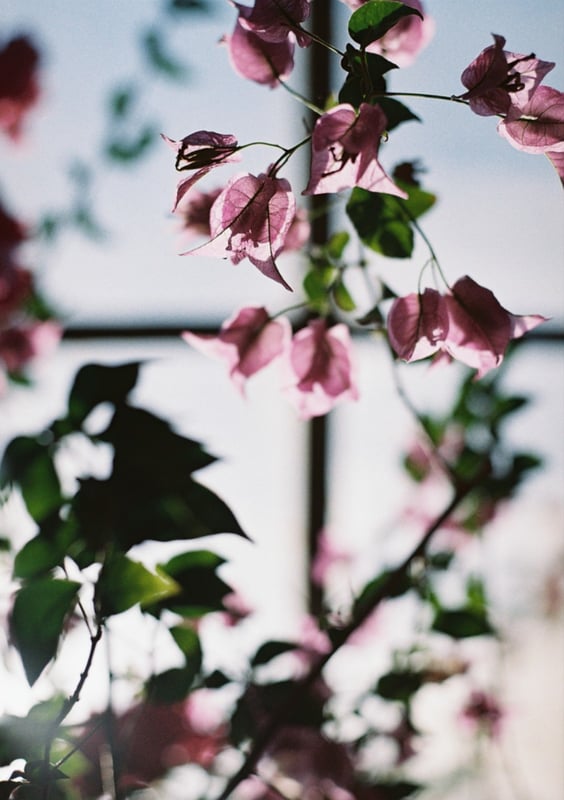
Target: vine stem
<point>339,637</point>
<point>71,701</point>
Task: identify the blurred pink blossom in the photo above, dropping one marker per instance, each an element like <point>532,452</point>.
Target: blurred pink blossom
<point>345,151</point>
<point>321,368</point>
<point>19,86</point>
<point>247,342</point>
<point>501,82</point>
<point>23,342</point>
<point>250,219</point>
<point>483,713</point>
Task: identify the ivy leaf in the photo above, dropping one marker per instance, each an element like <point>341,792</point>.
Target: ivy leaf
<point>123,583</point>
<point>37,621</point>
<point>100,383</point>
<point>28,462</point>
<point>375,18</point>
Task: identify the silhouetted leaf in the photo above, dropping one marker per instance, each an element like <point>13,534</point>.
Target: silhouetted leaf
<point>130,149</point>
<point>123,583</point>
<point>37,621</point>
<point>399,685</point>
<point>28,462</point>
<point>269,650</point>
<point>159,58</point>
<point>462,623</point>
<point>201,590</point>
<point>100,383</point>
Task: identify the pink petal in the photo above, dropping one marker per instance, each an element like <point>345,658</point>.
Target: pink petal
<point>417,324</point>
<point>544,131</point>
<point>258,60</point>
<point>272,20</point>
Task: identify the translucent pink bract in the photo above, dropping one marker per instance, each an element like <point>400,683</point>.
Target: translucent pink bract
<point>250,219</point>
<point>501,82</point>
<point>247,342</point>
<point>321,368</point>
<point>345,151</point>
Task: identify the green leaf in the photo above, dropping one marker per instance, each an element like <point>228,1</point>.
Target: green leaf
<point>396,113</point>
<point>217,679</point>
<point>316,286</point>
<point>399,685</point>
<point>269,650</point>
<point>336,245</point>
<point>342,297</point>
<point>131,149</point>
<point>171,686</point>
<point>38,617</point>
<point>28,462</point>
<point>122,101</point>
<point>187,640</point>
<point>462,623</point>
<point>159,58</point>
<point>100,383</point>
<point>201,590</point>
<point>395,790</point>
<point>123,583</point>
<point>375,18</point>
<point>387,584</point>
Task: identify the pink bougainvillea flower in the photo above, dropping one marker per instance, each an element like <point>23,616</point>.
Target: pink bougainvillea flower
<point>468,324</point>
<point>19,87</point>
<point>201,151</point>
<point>403,43</point>
<point>250,219</point>
<point>321,368</point>
<point>194,212</point>
<point>541,127</point>
<point>12,234</point>
<point>258,59</point>
<point>557,161</point>
<point>15,287</point>
<point>247,342</point>
<point>500,82</point>
<point>274,20</point>
<point>417,324</point>
<point>345,151</point>
<point>23,342</point>
<point>479,328</point>
<point>149,740</point>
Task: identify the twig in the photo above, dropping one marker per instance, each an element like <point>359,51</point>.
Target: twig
<point>339,637</point>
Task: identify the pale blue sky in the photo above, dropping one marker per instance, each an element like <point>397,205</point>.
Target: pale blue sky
<point>499,210</point>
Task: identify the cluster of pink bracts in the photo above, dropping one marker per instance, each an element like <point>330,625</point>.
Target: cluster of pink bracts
<point>256,217</point>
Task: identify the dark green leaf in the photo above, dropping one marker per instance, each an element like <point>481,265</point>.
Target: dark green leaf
<point>269,650</point>
<point>388,584</point>
<point>28,462</point>
<point>375,18</point>
<point>171,686</point>
<point>37,621</point>
<point>188,642</point>
<point>123,583</point>
<point>399,685</point>
<point>380,223</point>
<point>187,5</point>
<point>217,679</point>
<point>159,58</point>
<point>316,286</point>
<point>131,149</point>
<point>462,623</point>
<point>394,790</point>
<point>201,590</point>
<point>100,383</point>
<point>395,112</point>
<point>122,101</point>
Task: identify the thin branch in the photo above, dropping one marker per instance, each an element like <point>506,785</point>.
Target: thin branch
<point>339,637</point>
